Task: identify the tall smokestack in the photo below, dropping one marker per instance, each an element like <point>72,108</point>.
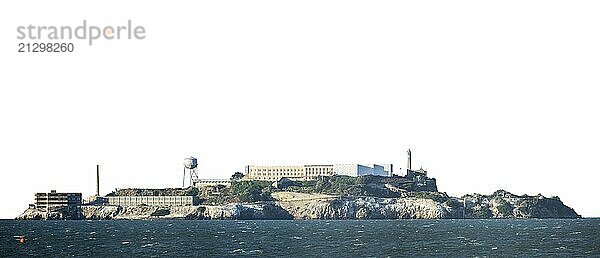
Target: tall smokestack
<point>97,180</point>
<point>408,162</point>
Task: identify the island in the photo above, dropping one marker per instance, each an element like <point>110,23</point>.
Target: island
<point>332,192</point>
<point>334,197</point>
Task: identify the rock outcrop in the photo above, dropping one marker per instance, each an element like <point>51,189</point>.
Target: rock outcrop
<point>60,214</point>
<point>502,204</point>
<point>107,212</point>
<point>290,205</point>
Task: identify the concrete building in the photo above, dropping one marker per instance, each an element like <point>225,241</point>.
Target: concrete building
<point>213,182</point>
<point>55,201</point>
<point>274,173</point>
<point>363,170</point>
<point>312,172</point>
<point>153,200</point>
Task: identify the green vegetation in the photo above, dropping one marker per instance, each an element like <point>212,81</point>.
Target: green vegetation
<point>503,206</point>
<point>482,212</point>
<point>256,191</point>
<point>192,191</point>
<point>237,176</point>
<point>189,191</point>
<point>251,191</point>
<point>345,186</point>
<point>240,191</point>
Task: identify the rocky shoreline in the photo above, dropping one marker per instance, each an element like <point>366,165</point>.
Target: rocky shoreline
<point>291,205</point>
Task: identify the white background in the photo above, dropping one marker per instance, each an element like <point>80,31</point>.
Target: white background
<point>488,94</point>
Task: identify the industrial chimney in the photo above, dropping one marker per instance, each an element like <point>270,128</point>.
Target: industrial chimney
<point>97,180</point>
<point>408,162</point>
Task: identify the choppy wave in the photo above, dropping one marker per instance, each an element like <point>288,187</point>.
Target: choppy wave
<point>302,238</point>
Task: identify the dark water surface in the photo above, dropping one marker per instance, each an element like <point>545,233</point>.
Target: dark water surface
<point>375,238</point>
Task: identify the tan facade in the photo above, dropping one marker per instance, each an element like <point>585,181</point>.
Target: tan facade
<point>314,171</point>
<point>274,173</point>
<point>153,200</point>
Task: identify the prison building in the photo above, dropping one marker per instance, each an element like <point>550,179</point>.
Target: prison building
<point>315,171</point>
<point>312,172</point>
<point>363,169</point>
<point>53,201</point>
<point>274,173</point>
<point>153,200</point>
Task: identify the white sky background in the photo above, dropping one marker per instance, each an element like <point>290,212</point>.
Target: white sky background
<point>488,94</point>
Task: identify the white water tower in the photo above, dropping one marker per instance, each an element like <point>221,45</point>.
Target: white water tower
<point>190,167</point>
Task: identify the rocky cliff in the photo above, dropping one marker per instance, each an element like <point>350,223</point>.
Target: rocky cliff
<point>305,206</point>
<point>290,205</point>
<point>430,205</point>
<point>229,211</point>
<point>502,204</point>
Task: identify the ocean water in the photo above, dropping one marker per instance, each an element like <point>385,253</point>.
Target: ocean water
<point>313,238</point>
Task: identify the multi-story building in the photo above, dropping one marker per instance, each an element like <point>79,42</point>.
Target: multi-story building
<point>153,200</point>
<point>312,172</point>
<point>274,173</point>
<point>54,201</point>
<point>363,170</point>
